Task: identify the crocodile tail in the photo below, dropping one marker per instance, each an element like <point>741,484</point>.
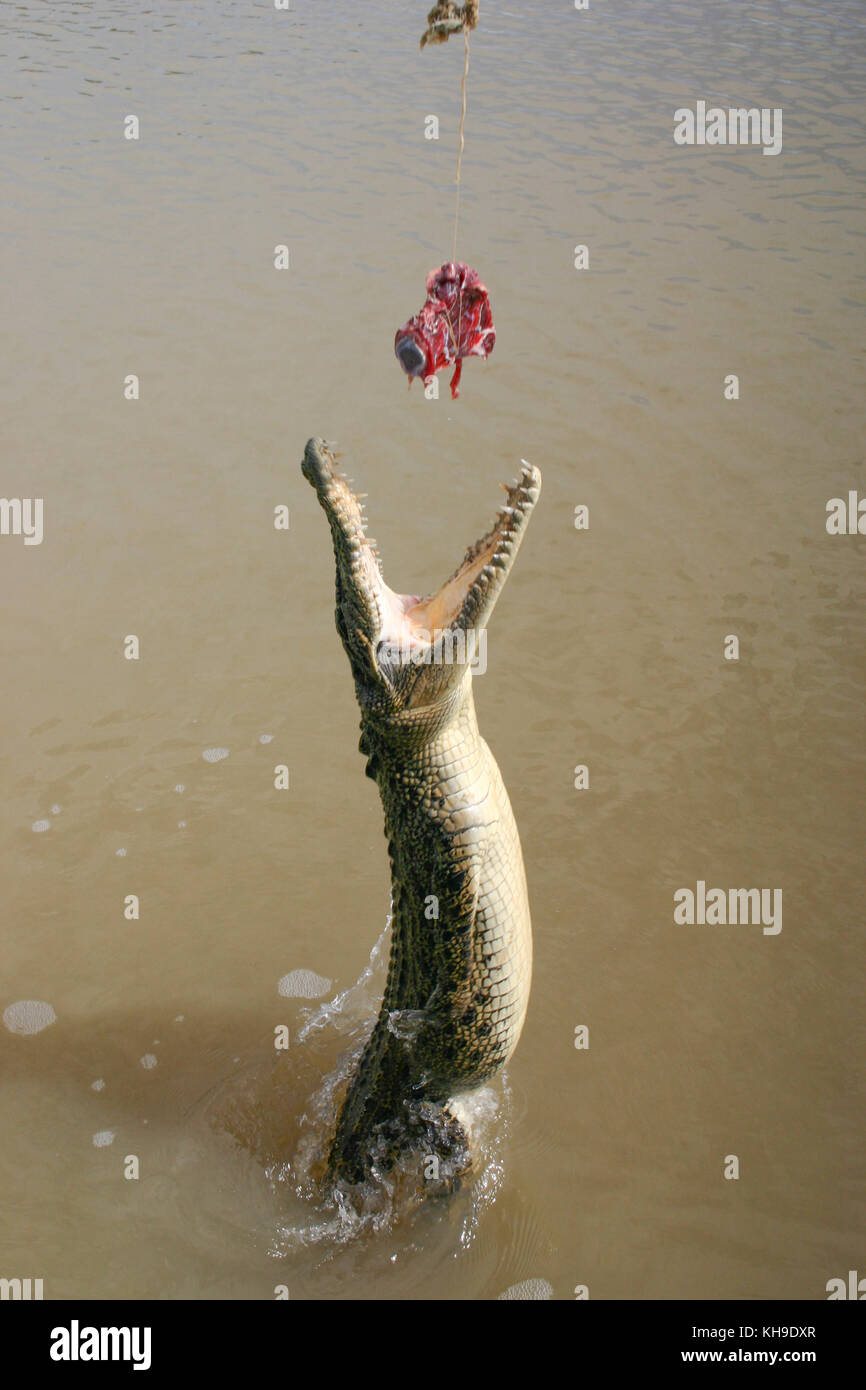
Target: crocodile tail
<point>386,1115</point>
<point>376,1093</point>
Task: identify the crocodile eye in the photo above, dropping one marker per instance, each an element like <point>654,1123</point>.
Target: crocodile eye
<point>410,355</point>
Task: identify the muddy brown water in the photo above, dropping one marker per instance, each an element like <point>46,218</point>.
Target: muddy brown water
<point>603,1166</point>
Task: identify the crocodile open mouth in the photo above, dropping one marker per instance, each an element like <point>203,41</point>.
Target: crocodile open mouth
<point>466,598</point>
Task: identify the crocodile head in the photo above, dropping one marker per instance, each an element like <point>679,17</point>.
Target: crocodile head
<point>409,652</point>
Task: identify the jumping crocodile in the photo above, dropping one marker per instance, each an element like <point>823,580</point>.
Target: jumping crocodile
<point>461,946</point>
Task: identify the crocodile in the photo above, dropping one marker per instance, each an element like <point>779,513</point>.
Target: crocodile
<point>459,973</point>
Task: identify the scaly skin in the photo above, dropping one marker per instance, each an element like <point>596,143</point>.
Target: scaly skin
<point>461,954</point>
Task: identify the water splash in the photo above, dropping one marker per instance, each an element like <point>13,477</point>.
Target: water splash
<point>419,1186</point>
<point>339,1011</point>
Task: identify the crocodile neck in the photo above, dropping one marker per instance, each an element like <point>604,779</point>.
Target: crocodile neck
<point>461,946</point>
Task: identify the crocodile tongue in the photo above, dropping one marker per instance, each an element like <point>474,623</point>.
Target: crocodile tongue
<point>369,612</point>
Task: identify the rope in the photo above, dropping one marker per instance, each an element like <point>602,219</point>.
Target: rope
<point>460,147</point>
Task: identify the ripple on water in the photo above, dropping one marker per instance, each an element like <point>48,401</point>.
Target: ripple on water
<point>28,1016</point>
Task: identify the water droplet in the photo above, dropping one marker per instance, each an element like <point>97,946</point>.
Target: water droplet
<point>529,1289</point>
<point>148,1061</point>
<point>266,738</point>
<point>215,755</point>
<point>97,1085</point>
<point>180,787</point>
<point>55,810</point>
<point>28,1016</point>
<point>303,984</point>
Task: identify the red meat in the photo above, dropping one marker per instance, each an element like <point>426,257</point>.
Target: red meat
<point>456,321</point>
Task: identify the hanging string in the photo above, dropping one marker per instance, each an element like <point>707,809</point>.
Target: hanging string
<point>460,146</point>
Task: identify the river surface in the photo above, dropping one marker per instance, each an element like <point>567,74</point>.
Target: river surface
<point>600,1167</point>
